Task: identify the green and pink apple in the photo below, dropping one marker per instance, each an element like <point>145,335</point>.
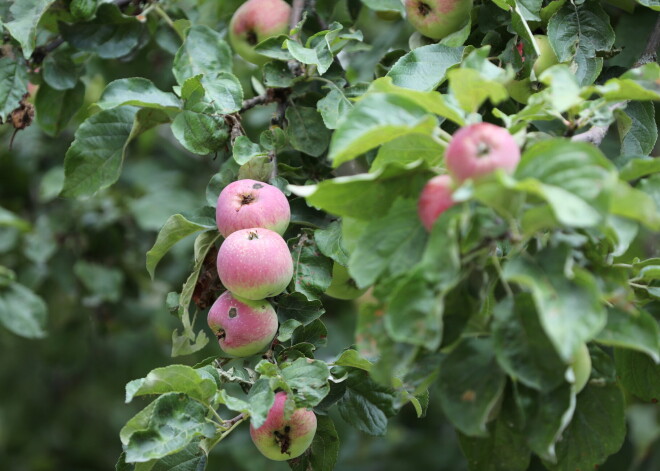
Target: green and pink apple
<point>343,286</point>
<point>480,149</point>
<point>435,199</point>
<point>436,19</point>
<point>255,263</point>
<point>254,22</point>
<point>280,439</point>
<point>243,327</point>
<point>244,204</point>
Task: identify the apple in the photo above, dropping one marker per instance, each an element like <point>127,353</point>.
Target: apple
<point>480,149</point>
<point>256,21</point>
<point>343,286</point>
<point>249,203</point>
<point>438,18</point>
<point>547,57</point>
<point>255,263</point>
<point>581,365</point>
<point>280,439</point>
<point>435,199</point>
<point>243,327</point>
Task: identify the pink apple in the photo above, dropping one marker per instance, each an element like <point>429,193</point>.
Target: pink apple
<point>280,439</point>
<point>243,327</point>
<point>255,21</point>
<point>480,149</point>
<point>255,263</point>
<point>435,199</point>
<point>248,203</point>
<point>438,18</point>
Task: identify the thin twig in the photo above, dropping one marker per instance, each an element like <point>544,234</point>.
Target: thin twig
<point>297,8</point>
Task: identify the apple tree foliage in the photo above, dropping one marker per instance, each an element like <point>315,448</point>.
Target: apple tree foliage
<point>486,311</point>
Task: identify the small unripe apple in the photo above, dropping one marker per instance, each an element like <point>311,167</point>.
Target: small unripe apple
<point>435,199</point>
<point>438,18</point>
<point>480,149</point>
<point>581,365</point>
<point>243,327</point>
<point>547,57</point>
<point>280,439</point>
<point>343,286</point>
<point>255,263</point>
<point>248,203</point>
<point>256,21</point>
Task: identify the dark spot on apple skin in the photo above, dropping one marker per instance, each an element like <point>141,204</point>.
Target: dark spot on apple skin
<point>423,8</point>
<point>251,38</point>
<point>257,186</point>
<point>247,199</point>
<point>233,312</point>
<point>283,439</point>
<point>221,334</point>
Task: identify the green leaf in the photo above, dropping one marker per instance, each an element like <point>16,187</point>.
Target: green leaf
<point>640,83</point>
<point>94,160</point>
<point>324,450</point>
<point>174,378</point>
<point>83,9</point>
<point>641,136</point>
<point>137,91</point>
<point>548,414</point>
<point>635,330</point>
<point>245,150</point>
<point>13,84</point>
<point>308,379</point>
<point>9,219</point>
<point>55,108</point>
<point>22,312</point>
<point>223,92</point>
<point>312,271</point>
<point>408,149</point>
<point>296,306</point>
<point>568,299</point>
<point>104,283</point>
<point>375,191</point>
<point>333,108</point>
<point>652,4</point>
<point>576,32</point>
<point>260,399</point>
<point>504,449</point>
<point>597,430</point>
<point>522,348</point>
<point>377,119</point>
<point>59,70</point>
<point>191,458</point>
<point>471,89</point>
<point>203,52</point>
<point>23,27</point>
<point>635,204</point>
<point>639,167</point>
<point>424,68</point>
<point>200,133</point>
<point>470,385</point>
<point>329,242</point>
<point>306,130</point>
<point>168,426</point>
<point>353,359</point>
<point>391,244</point>
<point>366,404</point>
<point>638,374</point>
<point>110,35</point>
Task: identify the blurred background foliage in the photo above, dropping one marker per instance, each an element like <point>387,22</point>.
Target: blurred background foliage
<point>61,397</point>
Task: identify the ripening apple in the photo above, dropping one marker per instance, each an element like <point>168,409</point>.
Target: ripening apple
<point>280,439</point>
<point>255,263</point>
<point>438,18</point>
<point>547,57</point>
<point>243,327</point>
<point>248,203</point>
<point>435,199</point>
<point>343,286</point>
<point>581,365</point>
<point>480,149</point>
<point>256,21</point>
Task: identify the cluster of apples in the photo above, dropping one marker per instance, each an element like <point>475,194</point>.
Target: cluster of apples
<point>473,152</point>
<point>254,263</point>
